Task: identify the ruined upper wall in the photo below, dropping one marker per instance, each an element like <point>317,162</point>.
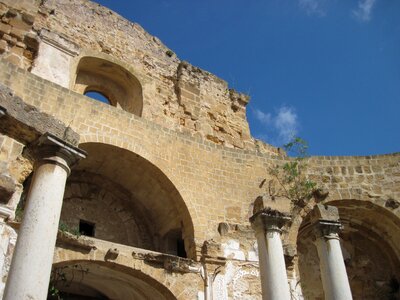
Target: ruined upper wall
<point>49,38</point>
<point>204,173</point>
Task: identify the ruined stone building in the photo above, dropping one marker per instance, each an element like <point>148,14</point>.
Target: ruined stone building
<point>165,184</point>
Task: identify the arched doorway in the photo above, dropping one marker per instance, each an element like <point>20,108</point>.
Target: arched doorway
<point>118,196</point>
<point>370,246</point>
<point>96,280</point>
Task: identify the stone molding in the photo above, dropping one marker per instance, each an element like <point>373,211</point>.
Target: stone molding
<point>269,220</point>
<point>327,229</point>
<point>59,42</point>
<point>5,212</point>
<point>49,148</point>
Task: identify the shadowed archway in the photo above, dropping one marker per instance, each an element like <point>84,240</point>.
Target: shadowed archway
<point>129,201</point>
<point>370,245</point>
<point>104,280</point>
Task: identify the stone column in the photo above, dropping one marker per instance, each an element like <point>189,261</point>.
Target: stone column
<point>33,256</point>
<point>333,271</point>
<point>267,224</point>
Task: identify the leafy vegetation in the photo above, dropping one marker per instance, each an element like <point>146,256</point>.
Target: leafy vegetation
<point>19,211</point>
<point>60,279</point>
<point>63,227</point>
<point>289,180</point>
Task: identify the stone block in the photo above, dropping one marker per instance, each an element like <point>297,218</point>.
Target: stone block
<point>17,50</point>
<point>19,24</point>
<point>231,250</point>
<point>28,18</point>
<point>7,188</point>
<point>278,204</point>
<point>31,40</point>
<point>27,122</point>
<point>12,12</point>
<point>18,33</point>
<point>5,28</point>
<point>21,45</point>
<point>3,9</point>
<point>192,89</point>
<point>28,54</point>
<point>325,213</point>
<point>3,46</point>
<point>14,59</point>
<point>11,40</point>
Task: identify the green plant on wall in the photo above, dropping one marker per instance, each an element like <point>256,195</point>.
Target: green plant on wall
<point>19,211</point>
<point>289,179</point>
<point>62,277</point>
<point>63,227</point>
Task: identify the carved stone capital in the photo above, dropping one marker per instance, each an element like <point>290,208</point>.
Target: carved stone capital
<point>268,220</point>
<point>50,149</point>
<point>325,219</point>
<point>327,229</point>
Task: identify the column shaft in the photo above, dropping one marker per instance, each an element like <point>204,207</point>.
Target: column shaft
<point>267,224</point>
<point>32,260</point>
<point>274,280</point>
<point>333,271</point>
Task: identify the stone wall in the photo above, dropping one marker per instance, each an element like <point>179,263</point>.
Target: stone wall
<point>203,172</point>
<point>18,41</point>
<point>7,243</point>
<point>13,171</point>
<point>108,206</point>
<point>182,97</point>
<point>229,179</point>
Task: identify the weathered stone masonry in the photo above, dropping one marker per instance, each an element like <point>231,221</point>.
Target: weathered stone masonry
<point>171,172</point>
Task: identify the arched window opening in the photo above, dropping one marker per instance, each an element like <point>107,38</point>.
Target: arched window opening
<point>98,97</point>
<point>115,83</point>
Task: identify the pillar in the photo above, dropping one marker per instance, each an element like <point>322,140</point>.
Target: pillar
<point>333,271</point>
<point>33,256</point>
<point>267,224</point>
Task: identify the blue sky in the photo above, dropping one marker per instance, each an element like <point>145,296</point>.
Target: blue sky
<point>325,70</point>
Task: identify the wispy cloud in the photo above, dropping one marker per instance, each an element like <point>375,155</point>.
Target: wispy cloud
<point>364,10</point>
<point>280,127</point>
<point>314,7</point>
<point>263,117</point>
<point>286,123</point>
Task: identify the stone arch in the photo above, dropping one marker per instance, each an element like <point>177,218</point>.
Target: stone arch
<point>371,250</point>
<point>101,73</point>
<point>157,204</point>
<point>299,214</point>
<point>107,280</point>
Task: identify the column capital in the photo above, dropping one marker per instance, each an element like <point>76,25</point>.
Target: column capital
<point>327,229</point>
<point>325,220</point>
<point>268,219</point>
<point>51,149</point>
